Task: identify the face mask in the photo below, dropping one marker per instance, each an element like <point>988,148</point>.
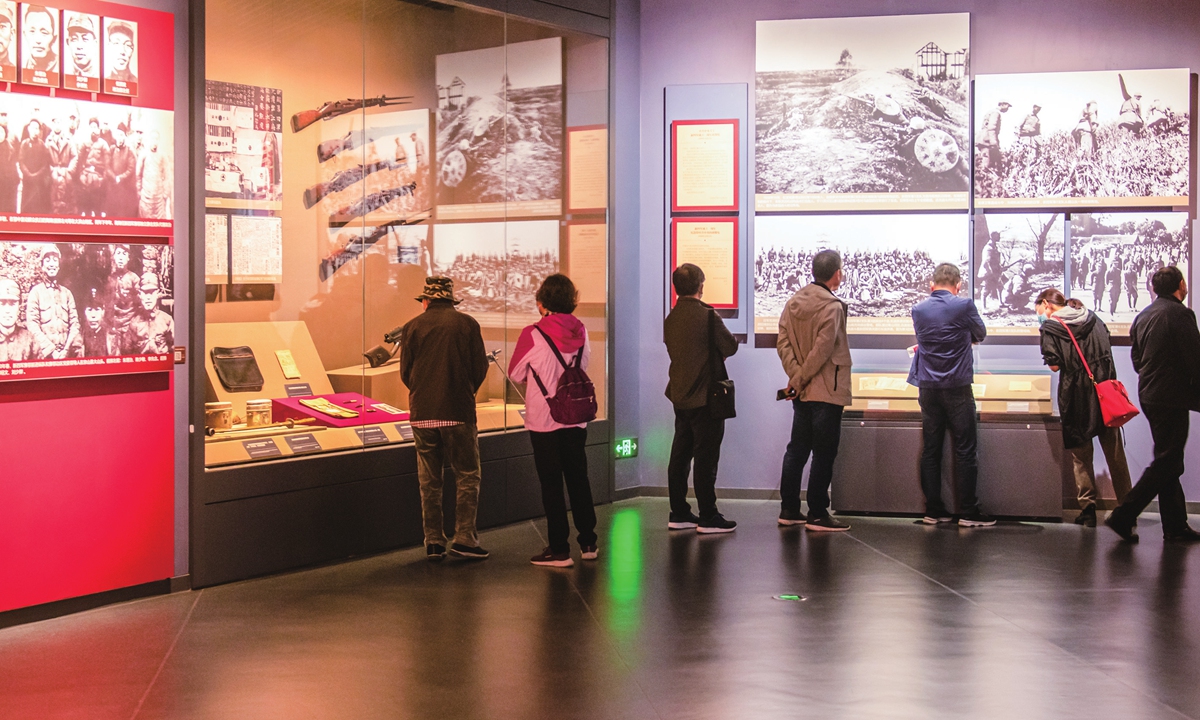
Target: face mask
<point>1041,319</point>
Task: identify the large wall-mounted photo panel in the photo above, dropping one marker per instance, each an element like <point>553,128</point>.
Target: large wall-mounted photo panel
<point>243,146</point>
<point>1083,139</point>
<point>862,113</point>
<point>497,267</point>
<point>1114,255</point>
<point>70,309</point>
<point>500,131</point>
<point>1016,257</point>
<point>86,167</point>
<point>888,262</point>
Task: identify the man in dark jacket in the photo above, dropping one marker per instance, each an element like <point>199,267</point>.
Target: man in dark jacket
<point>1166,356</point>
<point>443,364</point>
<point>943,368</point>
<point>691,332</point>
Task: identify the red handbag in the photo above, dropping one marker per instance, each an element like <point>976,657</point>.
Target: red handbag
<point>1115,405</point>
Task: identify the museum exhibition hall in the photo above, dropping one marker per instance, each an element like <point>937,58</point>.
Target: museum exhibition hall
<point>319,318</point>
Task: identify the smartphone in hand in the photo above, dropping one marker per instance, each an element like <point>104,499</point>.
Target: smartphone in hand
<point>785,394</point>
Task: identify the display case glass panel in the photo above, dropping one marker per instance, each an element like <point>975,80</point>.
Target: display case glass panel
<point>358,148</point>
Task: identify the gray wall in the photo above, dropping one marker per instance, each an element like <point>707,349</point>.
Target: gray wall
<point>706,41</point>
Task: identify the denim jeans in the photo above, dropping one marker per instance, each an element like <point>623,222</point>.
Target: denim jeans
<point>816,431</point>
<point>457,445</point>
<point>952,409</point>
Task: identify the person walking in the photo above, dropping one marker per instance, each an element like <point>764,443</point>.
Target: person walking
<point>943,369</point>
<point>815,353</point>
<point>539,360</point>
<point>695,336</point>
<point>443,365</point>
<point>1066,324</point>
<point>1166,356</point>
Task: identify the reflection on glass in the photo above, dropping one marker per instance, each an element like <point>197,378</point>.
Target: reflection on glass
<point>625,572</point>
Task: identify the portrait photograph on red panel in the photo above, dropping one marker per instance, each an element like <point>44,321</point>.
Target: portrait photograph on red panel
<point>120,57</point>
<point>41,45</point>
<point>8,41</point>
<point>70,309</point>
<point>704,166</point>
<point>712,245</point>
<point>81,51</point>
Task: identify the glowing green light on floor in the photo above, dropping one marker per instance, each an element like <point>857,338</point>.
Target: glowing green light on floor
<point>792,598</point>
<point>625,570</point>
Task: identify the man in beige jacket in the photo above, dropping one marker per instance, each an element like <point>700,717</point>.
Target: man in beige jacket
<point>816,357</point>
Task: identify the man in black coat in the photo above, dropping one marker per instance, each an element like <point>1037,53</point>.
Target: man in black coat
<point>691,332</point>
<point>443,364</point>
<point>1166,355</point>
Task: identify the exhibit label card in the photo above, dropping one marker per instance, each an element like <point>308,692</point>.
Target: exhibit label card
<point>587,260</point>
<point>587,169</point>
<point>711,244</point>
<point>298,390</point>
<point>371,435</point>
<point>704,165</point>
<point>866,113</point>
<point>260,449</point>
<point>303,443</point>
<point>1083,139</point>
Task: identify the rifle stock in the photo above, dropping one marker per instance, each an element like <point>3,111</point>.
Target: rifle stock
<point>304,118</point>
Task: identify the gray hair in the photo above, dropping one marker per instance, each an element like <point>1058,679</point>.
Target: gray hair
<point>825,265</point>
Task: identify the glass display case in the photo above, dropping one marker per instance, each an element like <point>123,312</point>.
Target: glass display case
<point>355,147</point>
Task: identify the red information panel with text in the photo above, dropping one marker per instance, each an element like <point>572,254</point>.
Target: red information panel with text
<point>87,191</point>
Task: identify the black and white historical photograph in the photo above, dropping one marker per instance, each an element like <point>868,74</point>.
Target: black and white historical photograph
<point>888,262</point>
<point>1016,257</point>
<point>409,245</point>
<point>81,51</point>
<point>383,176</point>
<point>120,56</point>
<point>1114,255</point>
<point>500,126</point>
<point>243,146</point>
<point>497,266</point>
<point>8,41</point>
<point>61,301</point>
<point>871,105</point>
<point>1063,137</point>
<point>62,157</point>
<point>40,45</point>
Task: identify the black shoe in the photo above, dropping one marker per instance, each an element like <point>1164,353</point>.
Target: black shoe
<point>549,558</point>
<point>589,552</point>
<point>1087,517</point>
<point>468,552</point>
<point>716,524</point>
<point>1187,535</point>
<point>976,519</point>
<point>1125,531</point>
<point>825,523</point>
<point>435,553</point>
<point>792,517</point>
<point>682,522</point>
<point>937,518</point>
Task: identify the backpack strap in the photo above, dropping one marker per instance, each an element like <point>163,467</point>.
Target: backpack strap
<point>554,347</point>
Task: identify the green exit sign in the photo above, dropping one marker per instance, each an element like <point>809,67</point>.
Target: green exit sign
<point>626,448</point>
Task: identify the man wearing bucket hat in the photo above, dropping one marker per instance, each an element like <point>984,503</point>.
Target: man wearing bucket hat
<point>16,343</point>
<point>50,311</point>
<point>443,364</point>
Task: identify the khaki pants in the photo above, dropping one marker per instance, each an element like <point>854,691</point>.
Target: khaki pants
<point>459,447</point>
<point>1113,446</point>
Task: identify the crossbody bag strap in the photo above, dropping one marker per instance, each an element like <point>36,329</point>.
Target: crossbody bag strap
<point>1078,349</point>
<point>538,380</point>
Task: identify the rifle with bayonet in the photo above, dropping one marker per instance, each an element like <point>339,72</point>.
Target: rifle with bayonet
<point>346,214</point>
<point>336,108</point>
<point>354,249</point>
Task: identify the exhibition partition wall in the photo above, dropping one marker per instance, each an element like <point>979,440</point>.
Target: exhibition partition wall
<point>93,296</point>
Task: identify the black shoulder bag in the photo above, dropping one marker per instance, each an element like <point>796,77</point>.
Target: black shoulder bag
<point>721,401</point>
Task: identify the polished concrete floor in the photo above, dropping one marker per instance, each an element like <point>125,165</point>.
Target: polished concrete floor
<point>896,620</point>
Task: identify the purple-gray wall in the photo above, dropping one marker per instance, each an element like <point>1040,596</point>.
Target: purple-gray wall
<point>712,41</point>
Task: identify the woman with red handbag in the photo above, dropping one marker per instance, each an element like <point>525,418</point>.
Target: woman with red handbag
<point>1074,341</point>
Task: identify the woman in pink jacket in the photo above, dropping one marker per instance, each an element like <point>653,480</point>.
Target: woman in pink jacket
<point>558,450</point>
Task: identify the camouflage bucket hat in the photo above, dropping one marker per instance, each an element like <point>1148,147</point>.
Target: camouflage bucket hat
<point>438,288</point>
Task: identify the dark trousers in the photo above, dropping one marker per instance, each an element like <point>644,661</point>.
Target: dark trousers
<point>559,456</point>
<point>816,431</point>
<point>1169,429</point>
<point>697,438</point>
<point>952,409</point>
